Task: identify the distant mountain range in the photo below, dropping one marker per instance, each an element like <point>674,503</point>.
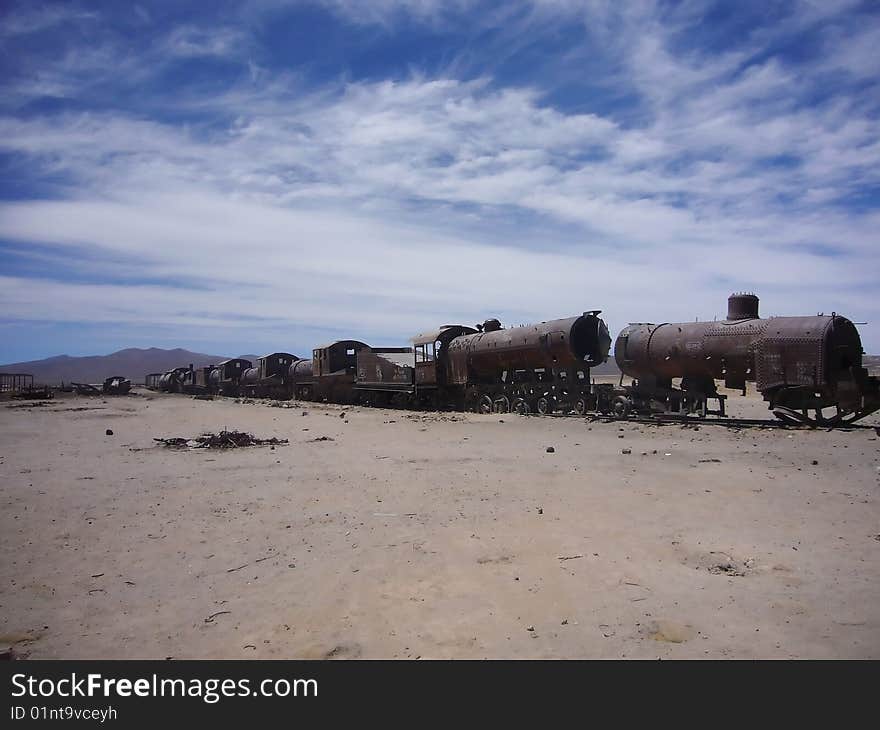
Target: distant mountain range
<point>132,363</point>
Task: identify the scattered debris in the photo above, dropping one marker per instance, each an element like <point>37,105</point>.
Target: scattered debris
<point>222,440</point>
<point>116,385</point>
<point>568,557</point>
<point>726,569</point>
<point>710,461</point>
<point>321,438</point>
<point>210,619</point>
<point>203,397</point>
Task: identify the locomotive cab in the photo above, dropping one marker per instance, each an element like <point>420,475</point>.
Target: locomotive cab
<point>432,354</point>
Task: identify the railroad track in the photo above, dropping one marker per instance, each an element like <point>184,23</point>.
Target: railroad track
<point>663,419</point>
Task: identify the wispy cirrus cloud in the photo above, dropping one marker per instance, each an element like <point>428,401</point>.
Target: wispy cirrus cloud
<point>378,207</point>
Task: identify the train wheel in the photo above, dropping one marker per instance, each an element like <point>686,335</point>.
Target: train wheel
<point>544,406</point>
<point>620,406</point>
<point>501,405</point>
<point>485,404</point>
<point>580,406</point>
<point>521,406</point>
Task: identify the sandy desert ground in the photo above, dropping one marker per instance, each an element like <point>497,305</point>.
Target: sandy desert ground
<point>431,535</point>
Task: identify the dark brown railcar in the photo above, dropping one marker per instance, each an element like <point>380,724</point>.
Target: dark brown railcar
<point>226,376</point>
<point>173,381</point>
<point>269,377</point>
<point>302,380</point>
<point>198,380</point>
<point>386,375</point>
<point>334,367</point>
<point>798,363</point>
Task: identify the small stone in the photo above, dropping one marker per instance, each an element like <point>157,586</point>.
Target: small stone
<point>626,451</point>
<point>551,450</point>
<point>342,415</point>
<point>564,622</point>
<point>530,628</point>
<point>109,432</point>
<point>540,510</point>
<point>620,435</point>
<point>814,462</point>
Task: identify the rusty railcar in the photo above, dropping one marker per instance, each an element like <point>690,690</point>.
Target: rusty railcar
<point>226,376</point>
<point>799,364</point>
<point>197,380</point>
<point>542,367</point>
<point>270,377</point>
<point>334,367</point>
<point>173,381</point>
<point>385,375</point>
<point>301,380</point>
<point>433,384</point>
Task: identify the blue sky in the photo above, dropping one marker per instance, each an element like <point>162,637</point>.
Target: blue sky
<point>251,176</point>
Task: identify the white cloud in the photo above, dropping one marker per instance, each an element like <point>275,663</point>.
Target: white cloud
<point>382,208</point>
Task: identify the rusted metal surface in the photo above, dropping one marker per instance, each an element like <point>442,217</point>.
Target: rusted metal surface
<point>742,306</point>
<point>386,368</point>
<point>575,342</point>
<point>431,354</point>
<point>173,381</point>
<point>301,379</point>
<point>333,369</point>
<point>445,333</point>
<point>797,363</point>
<point>269,377</point>
<point>225,377</point>
<point>336,357</point>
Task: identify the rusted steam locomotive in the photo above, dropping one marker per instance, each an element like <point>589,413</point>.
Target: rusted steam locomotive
<point>541,368</point>
<point>799,364</point>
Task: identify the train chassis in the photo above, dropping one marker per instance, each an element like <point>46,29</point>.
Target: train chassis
<point>648,396</point>
<point>541,392</point>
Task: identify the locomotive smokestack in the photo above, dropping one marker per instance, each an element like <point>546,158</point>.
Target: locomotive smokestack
<point>742,306</point>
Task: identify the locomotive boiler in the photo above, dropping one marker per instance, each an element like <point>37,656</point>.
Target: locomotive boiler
<point>542,367</point>
<point>799,364</point>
